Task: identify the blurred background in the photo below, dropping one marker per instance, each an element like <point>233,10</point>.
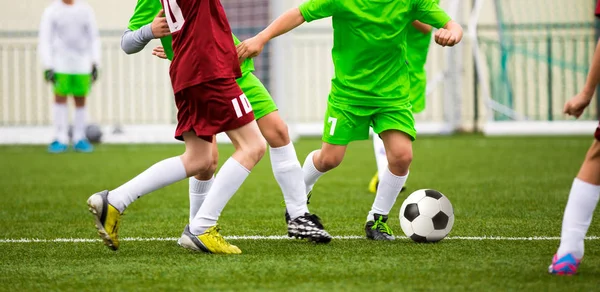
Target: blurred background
<point>519,61</point>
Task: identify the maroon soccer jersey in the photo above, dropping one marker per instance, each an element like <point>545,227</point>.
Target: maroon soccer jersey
<point>598,8</point>
<point>202,45</point>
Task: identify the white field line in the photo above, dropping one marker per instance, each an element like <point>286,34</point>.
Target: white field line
<point>276,237</point>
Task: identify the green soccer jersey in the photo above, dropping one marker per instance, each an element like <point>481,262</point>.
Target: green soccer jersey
<point>369,46</point>
<point>417,46</point>
<point>145,12</point>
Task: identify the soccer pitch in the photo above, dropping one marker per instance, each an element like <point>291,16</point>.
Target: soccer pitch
<point>508,195</point>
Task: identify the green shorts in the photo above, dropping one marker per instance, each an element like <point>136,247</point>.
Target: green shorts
<point>72,84</point>
<point>261,101</point>
<point>346,123</point>
<point>418,88</point>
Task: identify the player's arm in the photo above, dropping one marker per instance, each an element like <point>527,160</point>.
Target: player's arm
<point>450,32</point>
<point>422,27</point>
<point>133,41</point>
<point>450,35</point>
<point>308,11</point>
<point>45,45</point>
<point>577,104</point>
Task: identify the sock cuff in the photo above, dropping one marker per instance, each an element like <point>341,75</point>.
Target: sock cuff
<point>200,186</point>
<point>393,180</point>
<point>309,165</point>
<point>588,187</point>
<point>232,161</point>
<point>283,150</point>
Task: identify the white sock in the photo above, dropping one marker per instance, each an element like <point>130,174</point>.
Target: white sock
<point>79,123</point>
<point>231,176</point>
<point>390,186</point>
<point>311,174</point>
<point>159,175</point>
<point>583,199</point>
<point>198,191</point>
<point>380,157</point>
<point>61,122</point>
<point>288,173</point>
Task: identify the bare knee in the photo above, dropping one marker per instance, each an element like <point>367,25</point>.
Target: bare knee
<point>593,153</point>
<point>399,161</point>
<point>255,150</point>
<point>277,135</point>
<point>327,161</point>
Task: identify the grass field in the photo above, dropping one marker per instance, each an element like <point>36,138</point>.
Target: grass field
<point>506,187</point>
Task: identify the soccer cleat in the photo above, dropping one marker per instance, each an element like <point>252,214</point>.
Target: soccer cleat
<point>107,219</point>
<point>374,183</point>
<point>309,227</point>
<point>564,266</point>
<point>83,146</point>
<point>287,215</point>
<point>57,147</point>
<point>378,229</point>
<point>210,241</point>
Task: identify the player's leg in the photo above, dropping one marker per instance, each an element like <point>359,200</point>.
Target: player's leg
<point>197,158</point>
<point>200,184</point>
<point>343,124</point>
<point>81,84</point>
<point>380,159</point>
<point>60,115</point>
<point>284,162</point>
<point>230,111</point>
<point>108,206</point>
<point>583,198</point>
<point>395,125</point>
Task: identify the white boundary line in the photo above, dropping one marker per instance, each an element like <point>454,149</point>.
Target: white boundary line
<point>277,237</point>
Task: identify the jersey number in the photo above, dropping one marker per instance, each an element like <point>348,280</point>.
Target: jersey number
<point>243,100</point>
<point>173,14</point>
<point>333,122</point>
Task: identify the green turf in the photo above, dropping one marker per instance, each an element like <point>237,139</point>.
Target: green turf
<point>499,187</point>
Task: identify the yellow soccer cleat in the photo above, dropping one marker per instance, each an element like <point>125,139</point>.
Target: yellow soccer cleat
<point>107,219</point>
<point>374,183</point>
<point>211,241</point>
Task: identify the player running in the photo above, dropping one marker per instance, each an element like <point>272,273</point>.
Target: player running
<point>147,23</point>
<point>370,86</point>
<point>418,38</point>
<point>209,101</point>
<point>69,48</point>
<point>585,190</point>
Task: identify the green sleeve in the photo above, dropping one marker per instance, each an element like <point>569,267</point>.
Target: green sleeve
<point>236,41</point>
<point>167,43</point>
<point>144,13</point>
<point>317,9</point>
<point>429,12</point>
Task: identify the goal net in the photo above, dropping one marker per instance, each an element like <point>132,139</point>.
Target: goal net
<point>531,56</point>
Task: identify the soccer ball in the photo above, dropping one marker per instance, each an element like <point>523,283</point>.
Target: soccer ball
<point>426,216</point>
<point>93,133</point>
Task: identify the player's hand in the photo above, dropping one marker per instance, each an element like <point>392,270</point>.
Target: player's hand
<point>49,76</point>
<point>159,52</point>
<point>94,73</point>
<point>250,48</point>
<point>160,27</point>
<point>445,38</point>
<point>577,104</point>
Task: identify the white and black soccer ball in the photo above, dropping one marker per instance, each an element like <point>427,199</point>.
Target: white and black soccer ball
<point>426,216</point>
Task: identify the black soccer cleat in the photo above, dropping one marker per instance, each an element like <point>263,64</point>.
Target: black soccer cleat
<point>287,215</point>
<point>308,227</point>
<point>378,229</point>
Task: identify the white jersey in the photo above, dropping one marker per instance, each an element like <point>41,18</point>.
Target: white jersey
<point>69,39</point>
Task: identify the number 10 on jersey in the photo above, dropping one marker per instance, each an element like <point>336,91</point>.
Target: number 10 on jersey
<point>173,14</point>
